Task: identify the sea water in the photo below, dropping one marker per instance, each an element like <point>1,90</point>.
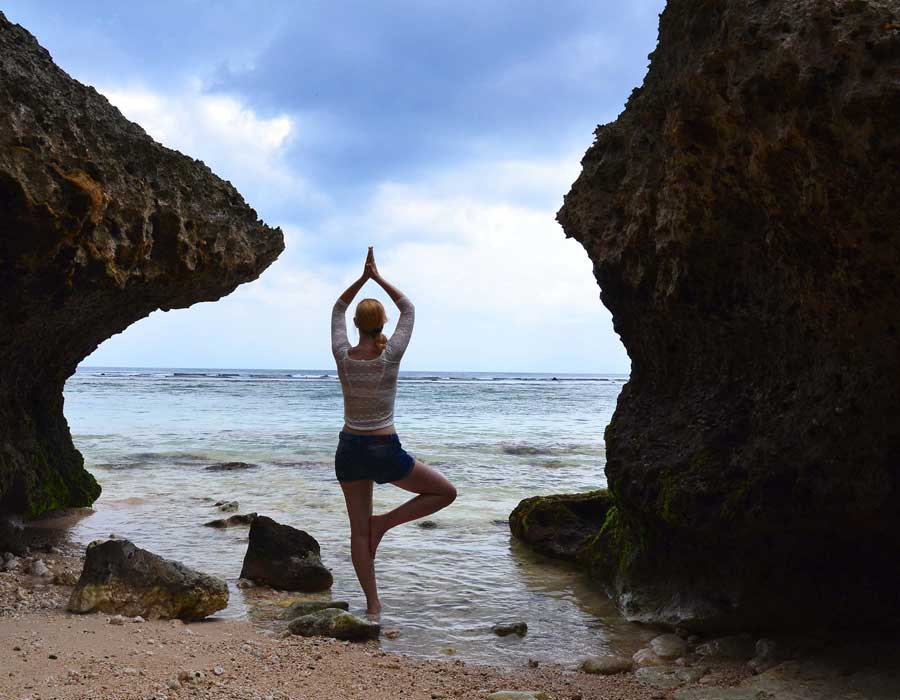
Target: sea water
<point>149,435</point>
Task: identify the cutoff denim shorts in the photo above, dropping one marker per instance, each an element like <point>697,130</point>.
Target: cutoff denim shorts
<point>379,458</point>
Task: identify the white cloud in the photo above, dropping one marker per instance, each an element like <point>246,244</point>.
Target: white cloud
<point>237,143</point>
<point>496,284</point>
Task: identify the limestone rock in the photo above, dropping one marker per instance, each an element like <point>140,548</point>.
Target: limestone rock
<point>742,219</point>
<point>230,466</point>
<point>731,647</point>
<point>557,526</point>
<point>285,558</point>
<point>101,226</point>
<point>232,521</point>
<point>607,665</point>
<point>305,607</point>
<point>121,579</point>
<point>504,629</point>
<point>333,622</point>
<point>668,646</point>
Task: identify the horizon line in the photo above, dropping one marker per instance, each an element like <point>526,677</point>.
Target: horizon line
<point>317,369</point>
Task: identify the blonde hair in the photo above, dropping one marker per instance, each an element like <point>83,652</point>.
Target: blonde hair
<point>370,318</point>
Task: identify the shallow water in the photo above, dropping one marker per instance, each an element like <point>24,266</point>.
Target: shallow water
<point>148,436</point>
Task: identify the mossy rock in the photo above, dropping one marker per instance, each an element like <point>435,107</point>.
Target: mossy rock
<point>557,526</point>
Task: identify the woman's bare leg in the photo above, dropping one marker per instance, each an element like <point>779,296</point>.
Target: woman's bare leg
<point>358,495</point>
<point>435,492</point>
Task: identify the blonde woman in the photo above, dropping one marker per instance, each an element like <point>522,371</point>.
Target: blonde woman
<point>369,449</point>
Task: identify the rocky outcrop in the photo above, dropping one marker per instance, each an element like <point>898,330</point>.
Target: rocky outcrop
<point>119,578</point>
<point>99,226</point>
<point>285,558</point>
<point>743,220</point>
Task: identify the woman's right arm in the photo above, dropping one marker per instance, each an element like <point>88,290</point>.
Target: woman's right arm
<point>403,332</point>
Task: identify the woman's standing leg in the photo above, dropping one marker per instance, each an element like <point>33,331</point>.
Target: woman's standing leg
<point>358,495</point>
<point>435,492</point>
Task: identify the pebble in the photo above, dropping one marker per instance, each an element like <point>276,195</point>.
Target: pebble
<point>218,670</point>
<point>117,620</point>
<point>192,677</point>
<point>518,695</point>
<point>138,619</point>
<point>11,564</point>
<point>39,568</point>
<point>392,634</point>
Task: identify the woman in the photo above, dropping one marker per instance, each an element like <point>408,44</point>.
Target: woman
<point>368,447</point>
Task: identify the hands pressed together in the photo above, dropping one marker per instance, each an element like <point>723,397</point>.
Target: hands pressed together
<point>370,270</point>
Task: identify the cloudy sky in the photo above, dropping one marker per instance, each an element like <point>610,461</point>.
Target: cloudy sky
<point>443,133</point>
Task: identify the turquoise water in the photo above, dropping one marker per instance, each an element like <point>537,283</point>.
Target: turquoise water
<point>147,435</point>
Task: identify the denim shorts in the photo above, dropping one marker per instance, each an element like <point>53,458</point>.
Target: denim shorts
<point>378,458</point>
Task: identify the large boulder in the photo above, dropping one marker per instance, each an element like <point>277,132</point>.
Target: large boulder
<point>285,558</point>
<point>743,220</point>
<point>119,578</point>
<point>99,227</point>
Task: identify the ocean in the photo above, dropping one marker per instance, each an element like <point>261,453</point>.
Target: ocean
<point>148,435</point>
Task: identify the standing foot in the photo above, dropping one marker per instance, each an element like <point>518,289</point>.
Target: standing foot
<point>377,528</point>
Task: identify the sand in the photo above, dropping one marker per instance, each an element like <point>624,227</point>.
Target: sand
<point>47,653</point>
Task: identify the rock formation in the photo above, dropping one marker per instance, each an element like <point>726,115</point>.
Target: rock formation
<point>99,226</point>
<point>284,557</point>
<point>743,218</point>
<point>119,578</point>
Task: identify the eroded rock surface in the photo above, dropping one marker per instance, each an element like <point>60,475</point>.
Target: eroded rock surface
<point>119,578</point>
<point>99,226</point>
<point>284,557</point>
<point>743,220</point>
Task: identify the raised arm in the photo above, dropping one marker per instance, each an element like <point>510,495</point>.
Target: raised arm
<point>339,340</point>
<point>399,339</point>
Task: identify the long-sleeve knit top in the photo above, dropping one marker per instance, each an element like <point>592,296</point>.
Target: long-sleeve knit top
<point>370,386</point>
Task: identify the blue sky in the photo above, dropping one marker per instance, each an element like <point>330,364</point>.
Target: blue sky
<point>444,134</point>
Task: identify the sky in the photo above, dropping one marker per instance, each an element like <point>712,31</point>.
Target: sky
<point>445,134</point>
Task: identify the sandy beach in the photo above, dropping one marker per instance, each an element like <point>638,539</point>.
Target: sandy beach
<point>48,653</point>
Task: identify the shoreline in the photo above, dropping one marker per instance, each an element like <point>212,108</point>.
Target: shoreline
<point>51,653</point>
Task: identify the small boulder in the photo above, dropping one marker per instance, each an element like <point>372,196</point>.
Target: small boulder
<point>646,657</point>
<point>227,506</point>
<point>428,524</point>
<point>668,646</point>
<point>233,521</point>
<point>607,665</point>
<point>739,646</point>
<point>285,558</point>
<point>39,568</point>
<point>120,578</point>
<point>767,656</point>
<point>305,607</point>
<point>504,629</point>
<point>662,677</point>
<point>336,623</point>
<point>229,466</point>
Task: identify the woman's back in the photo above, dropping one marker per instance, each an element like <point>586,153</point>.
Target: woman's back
<point>370,385</point>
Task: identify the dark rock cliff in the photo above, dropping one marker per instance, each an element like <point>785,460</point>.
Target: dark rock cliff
<point>743,217</point>
<point>99,226</point>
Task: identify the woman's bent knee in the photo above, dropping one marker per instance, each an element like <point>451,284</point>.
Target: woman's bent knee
<point>450,494</point>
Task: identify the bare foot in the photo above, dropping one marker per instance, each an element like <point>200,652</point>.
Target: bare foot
<point>373,611</point>
<point>376,532</point>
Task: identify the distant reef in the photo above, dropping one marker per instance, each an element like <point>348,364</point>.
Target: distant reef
<point>743,218</point>
<point>99,226</point>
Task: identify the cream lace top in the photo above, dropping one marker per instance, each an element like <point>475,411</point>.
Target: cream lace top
<point>370,386</point>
